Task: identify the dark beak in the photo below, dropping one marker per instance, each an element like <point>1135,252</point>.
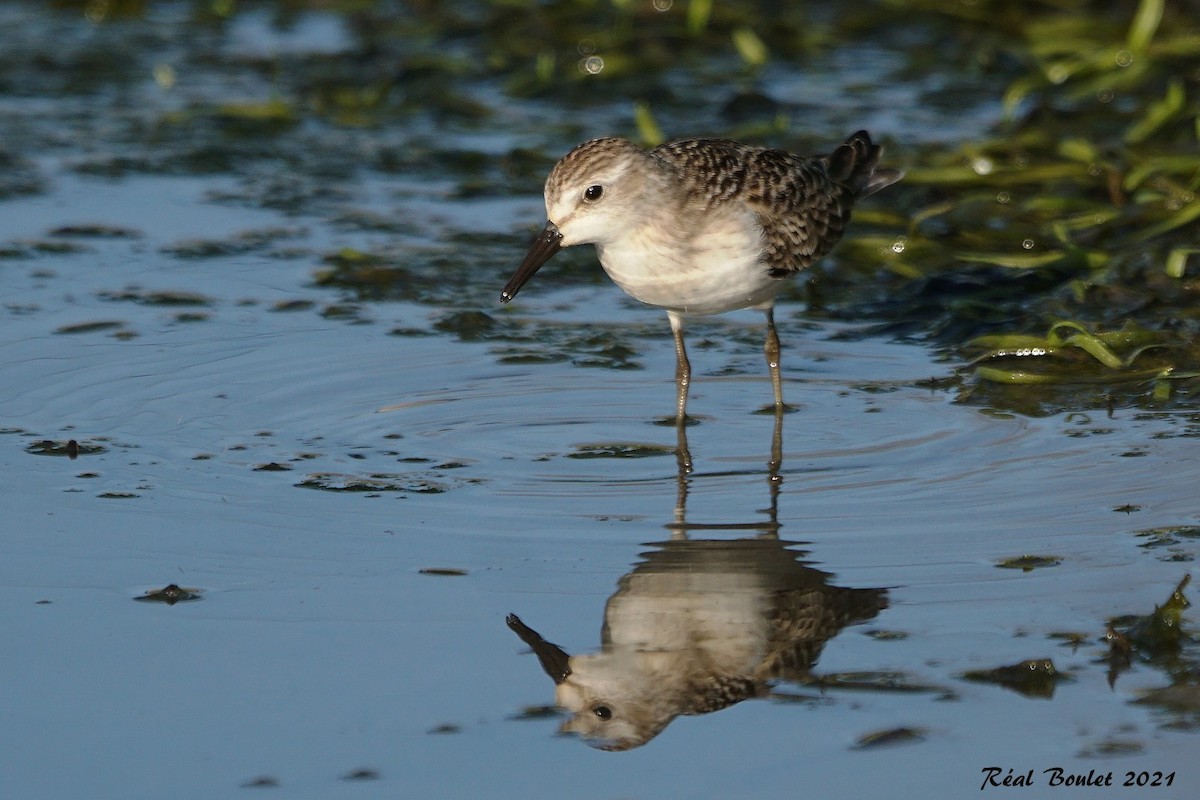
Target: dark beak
<point>543,248</point>
<point>552,657</point>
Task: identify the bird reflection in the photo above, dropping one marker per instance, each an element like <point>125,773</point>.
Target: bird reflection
<point>700,624</point>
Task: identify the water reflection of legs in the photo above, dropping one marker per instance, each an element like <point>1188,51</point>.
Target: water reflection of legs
<point>684,465</point>
<point>699,624</point>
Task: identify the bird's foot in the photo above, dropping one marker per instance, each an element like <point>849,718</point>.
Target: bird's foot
<point>773,409</point>
<point>675,421</point>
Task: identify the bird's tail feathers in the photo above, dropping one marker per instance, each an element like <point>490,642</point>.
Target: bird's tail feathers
<point>855,165</point>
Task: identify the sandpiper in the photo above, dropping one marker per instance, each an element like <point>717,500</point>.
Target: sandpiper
<point>703,226</point>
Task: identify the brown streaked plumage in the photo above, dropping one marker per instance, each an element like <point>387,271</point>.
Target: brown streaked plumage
<point>703,226</point>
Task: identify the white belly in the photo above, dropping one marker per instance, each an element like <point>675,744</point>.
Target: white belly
<point>719,270</point>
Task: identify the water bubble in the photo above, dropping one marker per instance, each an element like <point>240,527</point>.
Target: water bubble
<point>663,5</point>
<point>1003,197</point>
<point>1095,170</point>
<point>164,75</point>
<point>586,47</point>
<point>982,165</point>
<point>591,65</point>
<point>899,245</point>
<point>1027,244</point>
<point>1124,58</point>
<point>1104,95</point>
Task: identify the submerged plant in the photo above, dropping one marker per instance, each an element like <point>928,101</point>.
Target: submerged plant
<point>1068,352</point>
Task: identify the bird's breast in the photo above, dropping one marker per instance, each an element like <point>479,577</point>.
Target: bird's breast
<point>718,268</point>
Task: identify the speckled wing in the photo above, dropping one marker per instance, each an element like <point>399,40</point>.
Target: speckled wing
<point>802,209</point>
<point>721,691</point>
<point>803,620</point>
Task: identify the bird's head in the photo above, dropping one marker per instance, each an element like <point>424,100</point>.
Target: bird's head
<point>592,197</point>
<point>613,702</point>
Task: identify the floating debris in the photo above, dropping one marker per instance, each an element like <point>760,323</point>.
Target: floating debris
<point>285,306</point>
<point>1028,563</point>
<point>169,594</point>
<point>446,571</point>
<point>621,450</point>
<point>165,298</point>
<point>1033,678</point>
<point>192,316</point>
<point>378,482</point>
<point>889,737</point>
<point>71,448</point>
<point>90,231</point>
<point>89,327</point>
<point>361,774</point>
<point>886,636</point>
<point>1173,540</point>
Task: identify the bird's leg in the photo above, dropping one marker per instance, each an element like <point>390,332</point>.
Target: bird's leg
<point>774,469</point>
<point>683,459</point>
<point>683,369</point>
<point>771,348</point>
<point>683,455</point>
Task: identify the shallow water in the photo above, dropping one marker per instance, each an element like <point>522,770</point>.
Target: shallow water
<point>361,489</point>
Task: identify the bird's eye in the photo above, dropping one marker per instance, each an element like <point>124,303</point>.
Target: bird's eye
<point>603,712</point>
<point>592,193</point>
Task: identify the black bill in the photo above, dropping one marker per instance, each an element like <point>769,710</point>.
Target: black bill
<point>552,657</point>
<point>543,248</point>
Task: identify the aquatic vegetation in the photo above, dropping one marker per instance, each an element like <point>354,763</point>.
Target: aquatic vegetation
<point>1074,351</point>
<point>1160,639</point>
<point>1032,678</point>
<point>391,153</point>
<point>1159,632</point>
<point>1091,180</point>
<point>1172,540</point>
<point>1068,192</point>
